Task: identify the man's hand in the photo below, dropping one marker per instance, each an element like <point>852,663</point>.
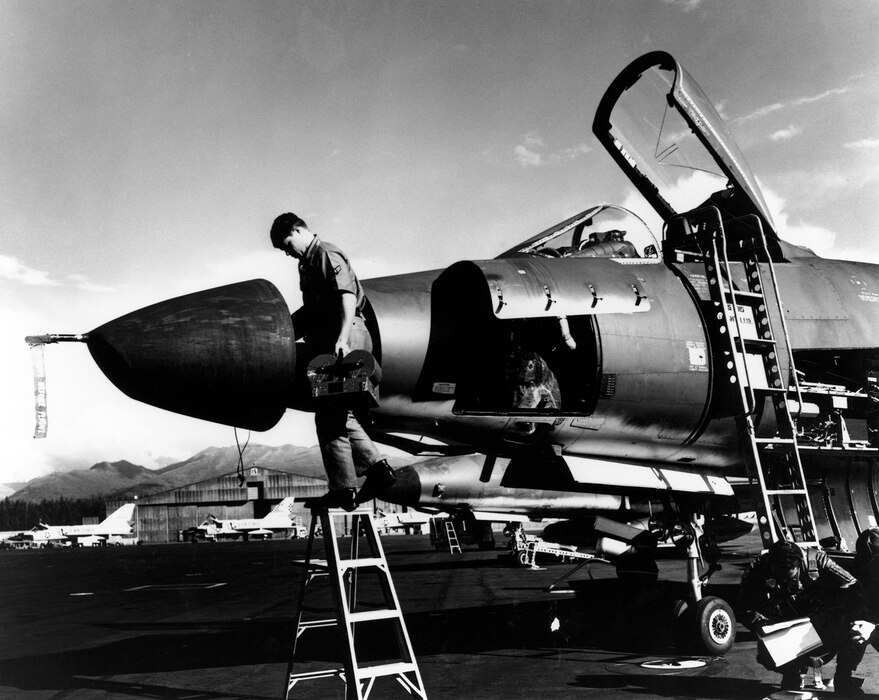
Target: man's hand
<point>341,349</point>
<point>756,624</point>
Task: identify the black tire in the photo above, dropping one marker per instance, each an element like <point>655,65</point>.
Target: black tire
<point>522,556</point>
<point>679,612</point>
<point>715,625</point>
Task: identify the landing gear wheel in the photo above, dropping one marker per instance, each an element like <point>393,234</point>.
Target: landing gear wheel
<point>715,625</point>
<point>523,558</point>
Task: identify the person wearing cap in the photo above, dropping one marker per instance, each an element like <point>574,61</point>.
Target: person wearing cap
<point>786,583</point>
<point>865,629</point>
<point>333,302</point>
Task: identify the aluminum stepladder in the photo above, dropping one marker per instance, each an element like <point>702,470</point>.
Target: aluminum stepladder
<point>342,574</point>
<point>758,360</point>
<point>452,537</point>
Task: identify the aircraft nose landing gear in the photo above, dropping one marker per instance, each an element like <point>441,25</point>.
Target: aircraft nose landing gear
<point>705,624</point>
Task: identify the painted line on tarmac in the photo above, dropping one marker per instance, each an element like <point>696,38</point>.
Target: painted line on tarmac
<point>175,587</point>
<point>674,664</point>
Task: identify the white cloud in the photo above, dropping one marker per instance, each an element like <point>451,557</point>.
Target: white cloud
<point>571,153</point>
<point>777,106</point>
<point>820,240</point>
<point>526,157</point>
<point>786,134</point>
<point>84,284</point>
<point>862,145</point>
<point>533,151</point>
<point>760,112</point>
<point>533,139</point>
<point>15,271</point>
<point>685,5</point>
<point>820,96</point>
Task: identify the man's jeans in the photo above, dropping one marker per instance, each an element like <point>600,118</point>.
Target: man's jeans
<point>346,449</point>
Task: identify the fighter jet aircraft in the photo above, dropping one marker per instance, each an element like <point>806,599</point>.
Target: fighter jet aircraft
<point>117,524</point>
<point>277,520</point>
<point>594,357</point>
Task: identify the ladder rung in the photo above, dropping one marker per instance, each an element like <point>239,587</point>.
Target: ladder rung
<point>774,441</point>
<point>744,296</point>
<point>311,624</point>
<point>769,390</point>
<point>385,670</point>
<point>315,564</point>
<point>785,492</point>
<point>758,341</point>
<point>372,615</point>
<point>360,563</point>
<point>314,675</point>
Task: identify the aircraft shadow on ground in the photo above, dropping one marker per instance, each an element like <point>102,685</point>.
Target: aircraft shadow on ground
<point>602,614</point>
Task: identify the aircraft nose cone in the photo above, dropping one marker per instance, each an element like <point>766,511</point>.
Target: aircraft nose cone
<point>224,355</point>
<point>406,490</point>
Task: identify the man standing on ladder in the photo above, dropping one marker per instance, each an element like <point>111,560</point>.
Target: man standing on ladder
<point>333,302</point>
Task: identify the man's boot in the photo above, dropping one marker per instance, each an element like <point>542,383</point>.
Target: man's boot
<point>338,498</point>
<point>379,477</point>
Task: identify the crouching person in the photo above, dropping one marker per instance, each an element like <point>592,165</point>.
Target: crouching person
<point>786,583</point>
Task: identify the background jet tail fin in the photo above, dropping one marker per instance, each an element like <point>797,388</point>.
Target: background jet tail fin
<point>124,513</point>
<point>284,506</point>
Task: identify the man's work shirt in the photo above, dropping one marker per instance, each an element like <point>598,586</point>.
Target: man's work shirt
<point>821,583</point>
<point>324,275</point>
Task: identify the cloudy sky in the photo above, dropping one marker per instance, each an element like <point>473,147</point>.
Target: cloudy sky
<point>145,148</point>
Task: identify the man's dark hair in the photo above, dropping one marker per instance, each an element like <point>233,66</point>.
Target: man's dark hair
<point>784,553</point>
<point>282,227</point>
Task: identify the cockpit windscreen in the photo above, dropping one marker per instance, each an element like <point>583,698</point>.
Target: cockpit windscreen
<point>606,231</point>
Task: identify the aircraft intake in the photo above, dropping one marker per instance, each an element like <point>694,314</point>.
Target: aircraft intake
<point>224,355</point>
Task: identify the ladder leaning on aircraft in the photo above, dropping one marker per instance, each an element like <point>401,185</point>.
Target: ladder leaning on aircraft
<point>784,509</point>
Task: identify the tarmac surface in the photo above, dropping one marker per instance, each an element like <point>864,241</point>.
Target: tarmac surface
<point>215,622</point>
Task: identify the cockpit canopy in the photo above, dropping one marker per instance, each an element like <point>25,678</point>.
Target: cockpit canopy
<point>603,231</point>
<point>667,137</point>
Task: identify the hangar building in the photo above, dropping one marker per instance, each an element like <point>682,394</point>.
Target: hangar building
<point>162,516</point>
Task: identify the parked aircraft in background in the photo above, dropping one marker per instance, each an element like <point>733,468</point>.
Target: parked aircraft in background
<point>592,359</point>
<point>277,520</point>
<point>117,525</point>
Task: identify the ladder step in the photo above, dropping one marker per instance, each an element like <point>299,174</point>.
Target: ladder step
<point>744,296</point>
<point>361,563</point>
<point>759,342</point>
<point>774,441</point>
<point>313,624</point>
<point>314,564</point>
<point>786,492</point>
<point>384,670</point>
<point>313,675</point>
<point>373,615</point>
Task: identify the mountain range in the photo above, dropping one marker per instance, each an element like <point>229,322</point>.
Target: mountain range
<point>122,480</point>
